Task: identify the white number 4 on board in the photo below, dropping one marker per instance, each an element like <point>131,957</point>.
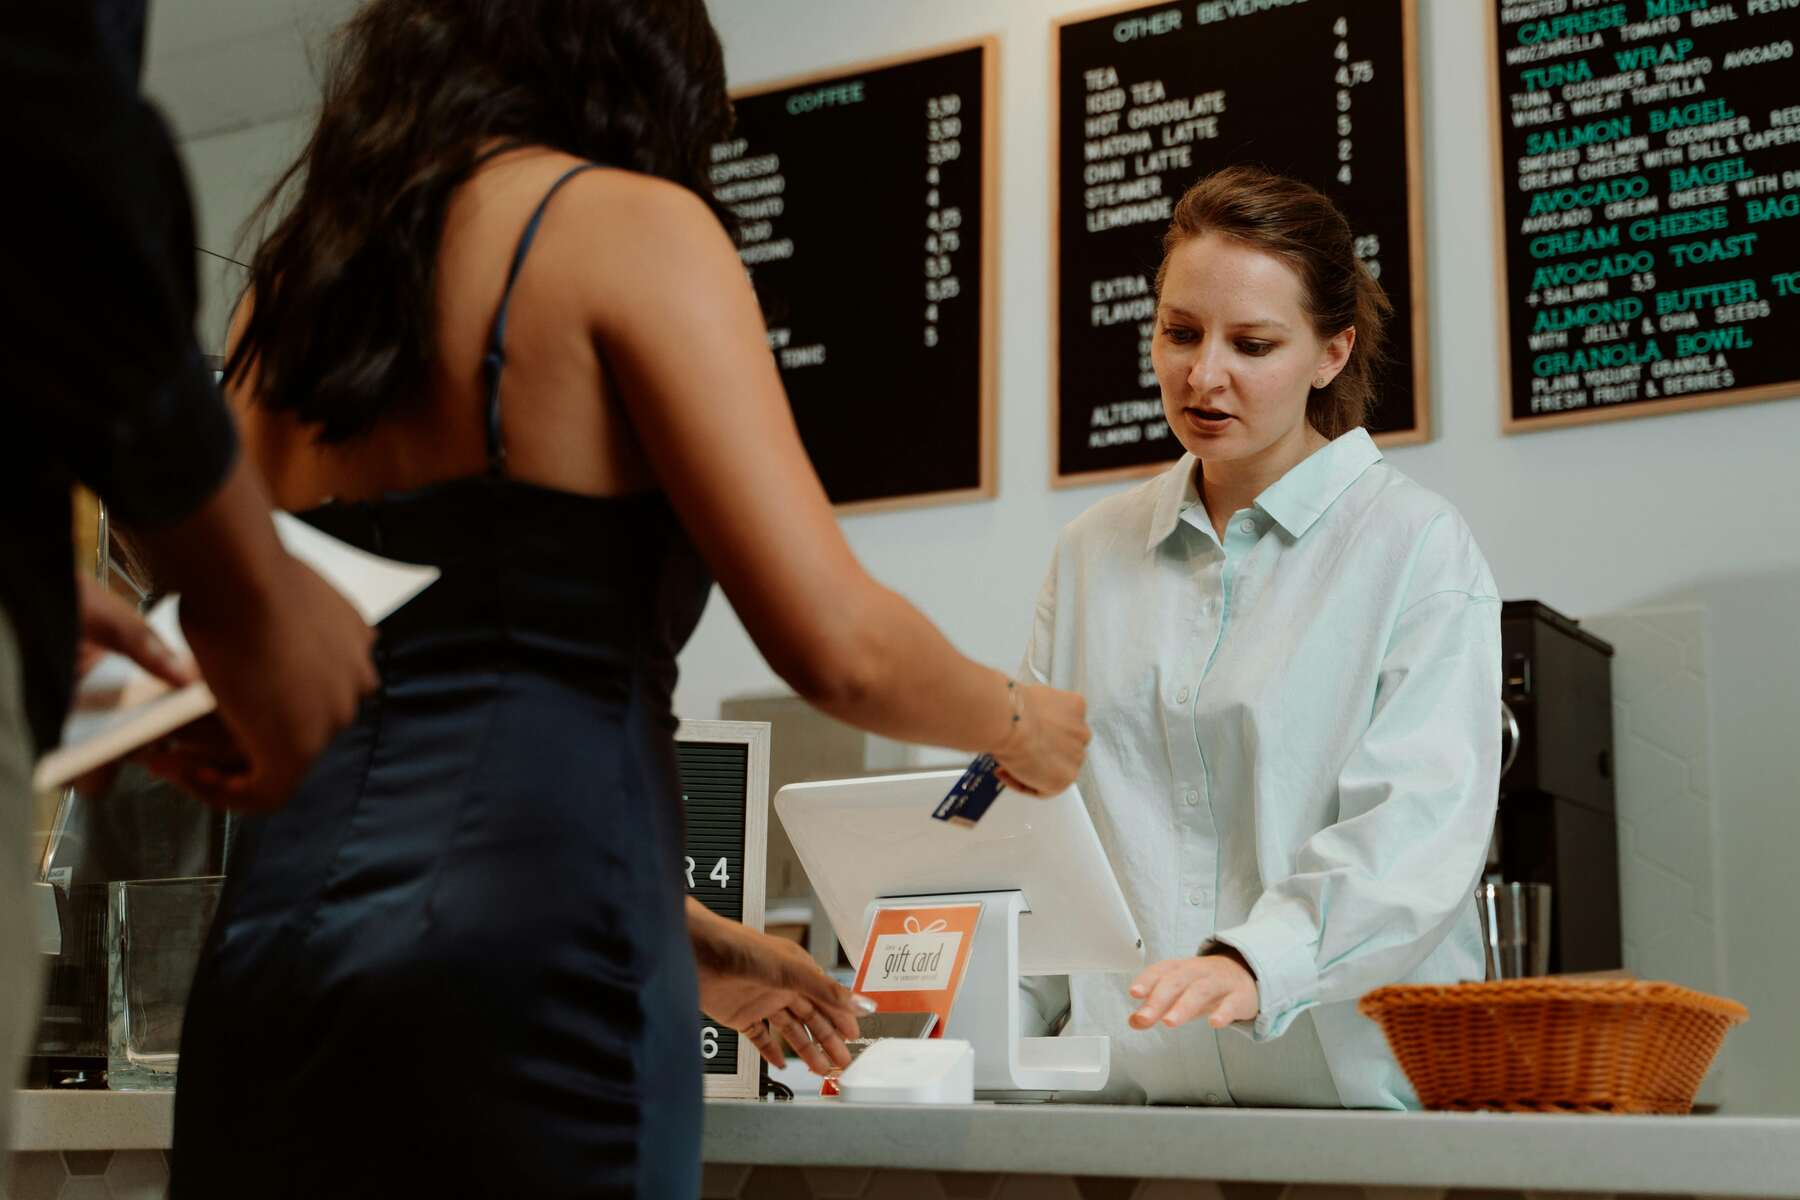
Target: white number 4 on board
<point>719,874</point>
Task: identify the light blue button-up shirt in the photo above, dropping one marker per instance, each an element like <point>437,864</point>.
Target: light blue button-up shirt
<point>1296,752</point>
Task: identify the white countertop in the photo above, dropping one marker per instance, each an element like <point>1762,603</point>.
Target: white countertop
<point>93,1120</point>
<point>1696,1155</point>
<point>1700,1155</point>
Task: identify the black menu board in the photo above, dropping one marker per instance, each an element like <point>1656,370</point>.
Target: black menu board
<point>1649,209</point>
<point>1149,99</point>
<point>724,791</point>
<point>865,197</point>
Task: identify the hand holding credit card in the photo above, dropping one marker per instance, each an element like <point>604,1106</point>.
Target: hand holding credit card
<point>972,794</point>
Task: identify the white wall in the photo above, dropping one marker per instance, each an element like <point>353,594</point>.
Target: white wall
<point>230,173</point>
<point>1695,509</point>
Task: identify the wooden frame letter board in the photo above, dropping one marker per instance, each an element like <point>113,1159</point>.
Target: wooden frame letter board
<point>865,198</point>
<point>1647,167</point>
<point>725,789</point>
<point>1151,98</point>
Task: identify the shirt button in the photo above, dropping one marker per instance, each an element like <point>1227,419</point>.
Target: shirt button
<point>1191,796</point>
<point>1181,696</point>
<point>1247,525</point>
<point>1197,897</point>
<point>1214,1098</point>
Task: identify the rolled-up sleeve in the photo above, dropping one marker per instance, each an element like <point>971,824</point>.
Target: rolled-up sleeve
<point>1375,893</point>
<point>99,262</point>
<point>1040,646</point>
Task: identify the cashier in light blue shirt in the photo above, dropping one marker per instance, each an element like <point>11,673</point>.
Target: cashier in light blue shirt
<point>1291,656</point>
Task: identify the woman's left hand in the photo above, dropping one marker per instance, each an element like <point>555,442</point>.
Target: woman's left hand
<point>1177,990</point>
<point>762,986</point>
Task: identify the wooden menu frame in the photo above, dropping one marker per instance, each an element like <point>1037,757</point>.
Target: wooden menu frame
<point>1509,424</point>
<point>1415,225</point>
<point>746,1082</point>
<point>989,44</point>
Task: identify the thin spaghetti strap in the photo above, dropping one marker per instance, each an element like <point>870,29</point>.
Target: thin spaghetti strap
<point>494,362</point>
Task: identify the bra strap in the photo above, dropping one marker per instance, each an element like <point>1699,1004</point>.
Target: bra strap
<point>494,362</point>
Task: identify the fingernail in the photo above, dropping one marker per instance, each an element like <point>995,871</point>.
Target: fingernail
<point>1142,1014</point>
<point>862,1004</point>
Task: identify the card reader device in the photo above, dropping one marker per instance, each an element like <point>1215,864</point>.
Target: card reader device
<point>1050,904</point>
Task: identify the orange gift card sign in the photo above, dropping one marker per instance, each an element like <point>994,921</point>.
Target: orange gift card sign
<point>914,958</point>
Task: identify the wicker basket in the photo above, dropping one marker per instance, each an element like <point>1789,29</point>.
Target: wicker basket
<point>1554,1045</point>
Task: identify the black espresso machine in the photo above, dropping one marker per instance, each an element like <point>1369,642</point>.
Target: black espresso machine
<point>1557,821</point>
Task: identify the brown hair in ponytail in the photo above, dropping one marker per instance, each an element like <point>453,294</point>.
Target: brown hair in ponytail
<point>1302,227</point>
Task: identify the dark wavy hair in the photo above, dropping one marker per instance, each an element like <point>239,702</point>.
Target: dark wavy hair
<point>1300,225</point>
<point>341,330</point>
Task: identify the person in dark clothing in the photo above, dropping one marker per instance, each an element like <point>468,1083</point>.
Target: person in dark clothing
<point>501,329</point>
<point>105,384</point>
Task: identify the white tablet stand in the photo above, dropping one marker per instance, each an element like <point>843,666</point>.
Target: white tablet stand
<point>986,1011</point>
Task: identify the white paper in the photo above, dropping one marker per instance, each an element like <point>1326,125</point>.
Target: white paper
<point>119,706</point>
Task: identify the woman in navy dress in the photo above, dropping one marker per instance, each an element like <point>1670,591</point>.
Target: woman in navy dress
<point>500,327</point>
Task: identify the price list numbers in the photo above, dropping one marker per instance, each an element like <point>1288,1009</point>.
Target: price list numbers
<point>1650,155</point>
<point>943,222</point>
<point>1348,72</point>
<point>863,194</point>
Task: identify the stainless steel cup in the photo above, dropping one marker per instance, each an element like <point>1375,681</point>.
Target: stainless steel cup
<point>1515,928</point>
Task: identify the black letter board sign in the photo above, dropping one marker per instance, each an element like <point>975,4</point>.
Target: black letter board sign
<point>1648,167</point>
<point>725,789</point>
<point>865,198</point>
<point>1148,100</point>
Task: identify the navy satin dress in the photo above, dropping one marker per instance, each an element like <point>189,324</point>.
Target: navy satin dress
<point>456,963</point>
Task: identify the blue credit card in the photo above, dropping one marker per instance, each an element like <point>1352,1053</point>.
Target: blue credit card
<point>973,793</point>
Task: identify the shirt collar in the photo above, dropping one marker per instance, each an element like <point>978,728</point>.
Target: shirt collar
<point>1301,496</point>
<point>1175,494</point>
<point>1294,501</point>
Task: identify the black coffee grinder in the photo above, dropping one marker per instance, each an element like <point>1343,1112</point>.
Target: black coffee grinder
<point>1557,820</point>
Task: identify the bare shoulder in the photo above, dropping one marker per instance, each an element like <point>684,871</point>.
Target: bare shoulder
<point>634,196</point>
<point>625,213</point>
<point>635,236</point>
<point>601,206</point>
